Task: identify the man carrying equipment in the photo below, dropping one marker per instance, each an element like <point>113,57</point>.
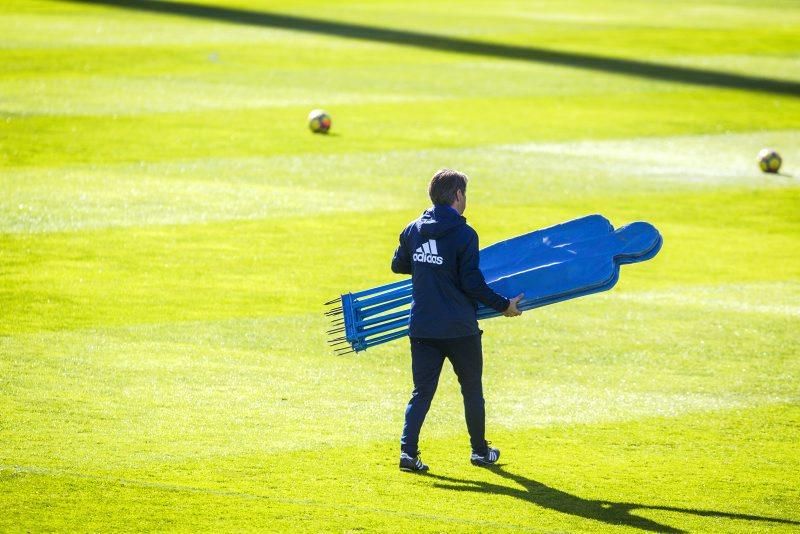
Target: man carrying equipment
<point>440,252</point>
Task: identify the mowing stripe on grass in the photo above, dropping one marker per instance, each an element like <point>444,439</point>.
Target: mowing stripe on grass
<point>220,492</point>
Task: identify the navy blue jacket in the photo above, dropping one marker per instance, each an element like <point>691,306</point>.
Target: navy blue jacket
<point>440,252</point>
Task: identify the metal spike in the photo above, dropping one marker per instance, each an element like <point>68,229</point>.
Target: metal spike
<point>334,301</point>
<point>335,331</point>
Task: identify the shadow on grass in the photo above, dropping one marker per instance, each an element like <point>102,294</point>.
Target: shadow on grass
<point>629,67</point>
<point>612,513</point>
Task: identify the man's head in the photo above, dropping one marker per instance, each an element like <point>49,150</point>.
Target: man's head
<point>449,187</point>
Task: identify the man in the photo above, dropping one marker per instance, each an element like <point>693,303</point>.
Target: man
<point>440,251</point>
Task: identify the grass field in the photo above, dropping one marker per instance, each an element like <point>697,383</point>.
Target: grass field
<point>169,230</point>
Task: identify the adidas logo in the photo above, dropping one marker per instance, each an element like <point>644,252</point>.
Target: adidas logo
<point>428,253</point>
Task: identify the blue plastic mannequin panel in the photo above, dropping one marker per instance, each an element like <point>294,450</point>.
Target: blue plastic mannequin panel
<point>575,260</point>
<point>558,263</point>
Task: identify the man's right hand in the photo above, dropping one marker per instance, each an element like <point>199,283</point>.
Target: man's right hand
<point>512,310</point>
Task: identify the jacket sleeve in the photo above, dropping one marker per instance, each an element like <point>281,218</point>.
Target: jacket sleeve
<point>472,281</point>
<point>401,262</point>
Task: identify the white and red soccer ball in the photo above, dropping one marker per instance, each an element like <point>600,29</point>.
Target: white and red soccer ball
<point>319,121</point>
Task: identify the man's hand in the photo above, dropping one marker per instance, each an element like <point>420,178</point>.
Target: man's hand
<point>512,310</point>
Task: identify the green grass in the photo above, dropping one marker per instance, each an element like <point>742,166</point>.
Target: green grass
<point>169,229</point>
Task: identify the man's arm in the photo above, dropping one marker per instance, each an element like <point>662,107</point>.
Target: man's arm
<point>472,281</point>
<point>401,262</point>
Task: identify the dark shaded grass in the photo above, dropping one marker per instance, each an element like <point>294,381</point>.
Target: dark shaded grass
<point>627,67</point>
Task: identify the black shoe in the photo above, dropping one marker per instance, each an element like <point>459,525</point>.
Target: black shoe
<point>490,457</point>
<point>411,463</point>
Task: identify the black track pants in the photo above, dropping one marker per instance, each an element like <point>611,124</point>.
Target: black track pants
<point>427,358</point>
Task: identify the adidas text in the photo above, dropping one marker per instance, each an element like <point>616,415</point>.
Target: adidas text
<point>427,258</point>
<point>428,253</point>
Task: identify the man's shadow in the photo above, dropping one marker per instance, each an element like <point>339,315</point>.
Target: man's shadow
<point>612,513</point>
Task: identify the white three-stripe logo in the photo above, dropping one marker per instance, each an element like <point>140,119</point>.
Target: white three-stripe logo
<point>428,253</point>
<point>429,248</point>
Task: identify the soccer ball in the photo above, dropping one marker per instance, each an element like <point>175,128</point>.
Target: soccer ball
<point>769,160</point>
<point>319,121</point>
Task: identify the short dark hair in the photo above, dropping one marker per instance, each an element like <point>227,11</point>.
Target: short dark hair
<point>444,185</point>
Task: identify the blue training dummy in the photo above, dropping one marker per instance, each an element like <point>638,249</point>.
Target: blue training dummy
<point>565,261</point>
